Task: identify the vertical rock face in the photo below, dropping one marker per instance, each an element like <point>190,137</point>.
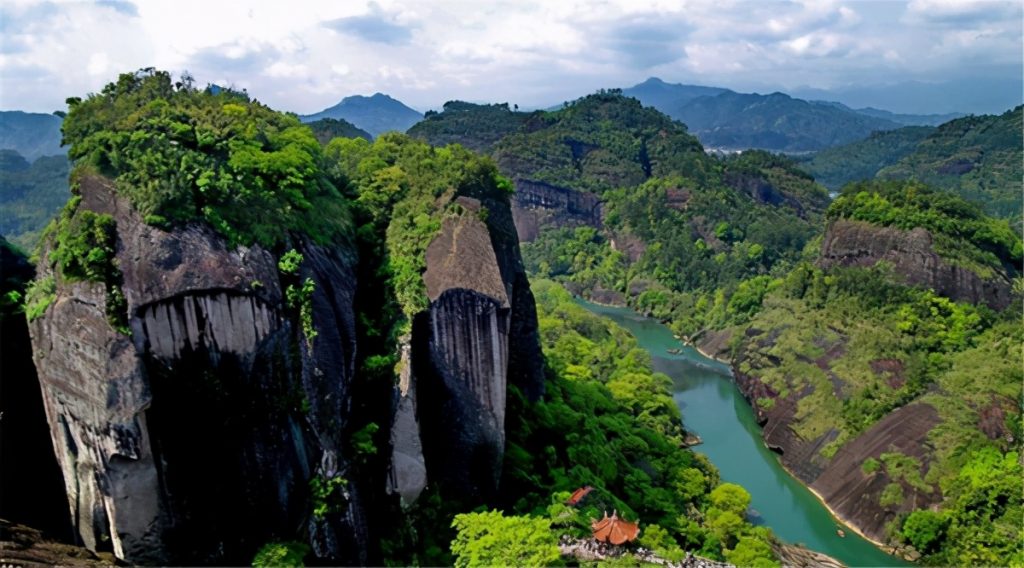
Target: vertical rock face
<point>465,350</point>
<point>193,440</point>
<point>538,205</point>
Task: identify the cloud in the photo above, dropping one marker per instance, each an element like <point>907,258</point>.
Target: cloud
<point>122,6</point>
<point>531,52</point>
<point>957,13</point>
<point>376,26</point>
<point>646,42</point>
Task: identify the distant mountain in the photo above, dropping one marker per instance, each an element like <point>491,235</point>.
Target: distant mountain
<point>981,158</point>
<point>327,129</point>
<point>910,119</point>
<point>376,114</point>
<point>477,127</point>
<point>30,195</point>
<point>776,122</point>
<point>31,134</point>
<point>664,96</point>
<point>981,95</point>
<point>860,160</point>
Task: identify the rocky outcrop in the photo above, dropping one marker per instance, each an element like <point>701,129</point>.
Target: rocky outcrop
<point>467,347</point>
<point>854,494</point>
<point>538,205</point>
<point>840,480</point>
<point>913,257</point>
<point>25,546</point>
<point>194,438</point>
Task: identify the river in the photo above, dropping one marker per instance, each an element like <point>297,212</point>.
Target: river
<point>713,408</point>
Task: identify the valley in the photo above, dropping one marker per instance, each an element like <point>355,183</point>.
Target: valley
<point>260,336</point>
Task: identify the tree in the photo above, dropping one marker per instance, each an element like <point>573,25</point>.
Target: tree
<point>731,497</point>
<point>752,552</point>
<point>492,539</point>
<point>924,529</point>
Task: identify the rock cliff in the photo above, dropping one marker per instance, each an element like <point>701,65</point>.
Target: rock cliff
<point>212,421</point>
<point>539,205</point>
<point>194,438</point>
<point>913,257</point>
<point>478,335</point>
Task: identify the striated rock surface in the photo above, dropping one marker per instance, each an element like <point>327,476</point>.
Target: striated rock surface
<point>538,205</point>
<point>477,337</point>
<point>193,440</point>
<point>853,494</point>
<point>913,256</point>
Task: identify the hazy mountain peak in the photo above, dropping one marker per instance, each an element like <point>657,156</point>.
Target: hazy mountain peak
<point>376,114</point>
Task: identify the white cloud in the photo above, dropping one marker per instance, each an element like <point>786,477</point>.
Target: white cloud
<point>532,52</point>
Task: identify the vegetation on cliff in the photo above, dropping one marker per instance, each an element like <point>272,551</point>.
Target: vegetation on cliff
<point>180,154</point>
<point>401,190</point>
<point>961,232</point>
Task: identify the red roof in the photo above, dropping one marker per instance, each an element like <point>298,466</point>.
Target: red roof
<point>614,530</point>
<point>578,495</point>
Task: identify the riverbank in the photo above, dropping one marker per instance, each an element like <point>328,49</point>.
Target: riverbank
<point>847,523</point>
<point>713,407</point>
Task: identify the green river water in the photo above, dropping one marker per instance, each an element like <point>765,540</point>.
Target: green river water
<point>713,408</point>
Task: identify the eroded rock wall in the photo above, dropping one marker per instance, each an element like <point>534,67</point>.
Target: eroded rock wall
<point>538,205</point>
<point>194,439</point>
<point>913,257</point>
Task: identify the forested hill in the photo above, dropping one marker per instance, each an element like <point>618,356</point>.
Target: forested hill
<point>30,194</point>
<point>599,142</point>
<point>477,127</point>
<point>981,158</point>
<point>327,129</point>
<point>863,159</point>
<point>977,157</point>
<point>775,122</point>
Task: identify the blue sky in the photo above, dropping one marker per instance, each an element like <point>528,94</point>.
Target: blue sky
<point>304,56</point>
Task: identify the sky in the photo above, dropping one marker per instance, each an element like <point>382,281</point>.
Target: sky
<point>303,56</point>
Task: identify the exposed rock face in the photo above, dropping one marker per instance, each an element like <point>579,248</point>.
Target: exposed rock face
<point>538,205</point>
<point>408,472</point>
<point>855,243</point>
<point>194,439</point>
<point>840,480</point>
<point>468,347</point>
<point>855,494</point>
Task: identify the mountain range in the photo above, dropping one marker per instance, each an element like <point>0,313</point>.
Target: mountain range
<point>724,119</point>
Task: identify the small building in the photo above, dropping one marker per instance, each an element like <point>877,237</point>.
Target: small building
<point>614,530</point>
